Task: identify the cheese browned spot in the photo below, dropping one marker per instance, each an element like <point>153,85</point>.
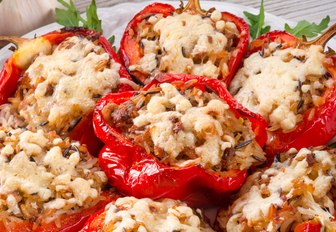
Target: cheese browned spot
<point>63,85</point>
<point>44,176</point>
<point>188,128</point>
<point>186,43</point>
<point>298,189</point>
<point>281,84</point>
<point>146,215</point>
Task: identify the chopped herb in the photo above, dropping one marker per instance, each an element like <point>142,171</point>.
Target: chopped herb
<point>243,144</point>
<point>256,25</point>
<point>305,28</point>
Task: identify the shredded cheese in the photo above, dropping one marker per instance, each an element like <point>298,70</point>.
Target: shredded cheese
<point>281,83</point>
<point>190,128</point>
<point>294,191</point>
<point>131,214</point>
<point>61,86</point>
<point>186,43</point>
<point>37,176</point>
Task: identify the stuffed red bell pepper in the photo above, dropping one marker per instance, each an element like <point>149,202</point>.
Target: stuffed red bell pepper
<point>54,81</point>
<point>132,214</point>
<point>48,183</point>
<point>182,137</point>
<point>292,84</point>
<point>295,194</point>
<point>187,40</point>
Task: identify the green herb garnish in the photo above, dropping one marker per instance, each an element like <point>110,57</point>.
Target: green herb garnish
<point>305,28</point>
<point>257,22</point>
<point>111,41</point>
<point>70,16</point>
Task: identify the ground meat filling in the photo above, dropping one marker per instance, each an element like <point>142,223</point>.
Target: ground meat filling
<point>62,86</point>
<point>146,215</point>
<point>298,187</point>
<point>282,84</point>
<point>186,43</point>
<point>187,127</point>
<point>44,177</point>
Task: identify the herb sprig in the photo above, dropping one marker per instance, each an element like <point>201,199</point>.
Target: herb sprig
<point>256,24</point>
<point>302,28</point>
<point>305,28</point>
<point>70,16</point>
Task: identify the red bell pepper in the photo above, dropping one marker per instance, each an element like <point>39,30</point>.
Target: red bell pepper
<point>68,223</point>
<point>11,74</point>
<point>135,172</point>
<point>314,130</point>
<point>309,226</point>
<point>131,52</point>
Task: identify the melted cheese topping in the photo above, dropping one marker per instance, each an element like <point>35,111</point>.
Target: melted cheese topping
<point>64,85</point>
<point>131,214</point>
<point>286,194</point>
<point>41,172</point>
<point>274,86</point>
<point>188,130</point>
<point>186,43</point>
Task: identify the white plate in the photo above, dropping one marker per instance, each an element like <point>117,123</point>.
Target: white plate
<point>115,19</point>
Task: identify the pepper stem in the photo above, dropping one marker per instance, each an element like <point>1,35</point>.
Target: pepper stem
<point>194,7</point>
<point>322,39</point>
<point>17,41</point>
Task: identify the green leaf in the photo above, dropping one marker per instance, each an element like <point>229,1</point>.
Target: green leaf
<point>305,28</point>
<point>70,16</point>
<point>256,22</point>
<point>93,22</point>
<point>66,19</point>
<point>111,41</point>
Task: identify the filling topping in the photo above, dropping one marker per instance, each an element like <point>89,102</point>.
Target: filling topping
<point>187,127</point>
<point>60,87</point>
<point>131,214</point>
<point>281,84</point>
<point>186,43</point>
<point>44,176</point>
<point>290,192</point>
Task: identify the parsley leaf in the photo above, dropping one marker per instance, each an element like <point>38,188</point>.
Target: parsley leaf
<point>93,22</point>
<point>257,22</point>
<point>70,16</point>
<point>305,28</point>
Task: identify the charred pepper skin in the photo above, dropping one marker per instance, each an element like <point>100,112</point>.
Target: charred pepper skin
<point>314,130</point>
<point>11,73</point>
<point>135,172</point>
<point>130,49</point>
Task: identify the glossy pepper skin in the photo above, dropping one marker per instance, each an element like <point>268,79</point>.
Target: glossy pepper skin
<point>314,130</point>
<point>309,226</point>
<point>130,51</point>
<point>11,74</point>
<point>95,222</point>
<point>134,172</point>
<point>68,223</point>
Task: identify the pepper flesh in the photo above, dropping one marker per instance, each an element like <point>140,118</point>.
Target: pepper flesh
<point>130,49</point>
<point>134,172</point>
<point>68,223</point>
<point>11,74</point>
<point>314,130</point>
<point>309,226</point>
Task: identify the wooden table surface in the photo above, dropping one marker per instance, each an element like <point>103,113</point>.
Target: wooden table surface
<point>295,10</point>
